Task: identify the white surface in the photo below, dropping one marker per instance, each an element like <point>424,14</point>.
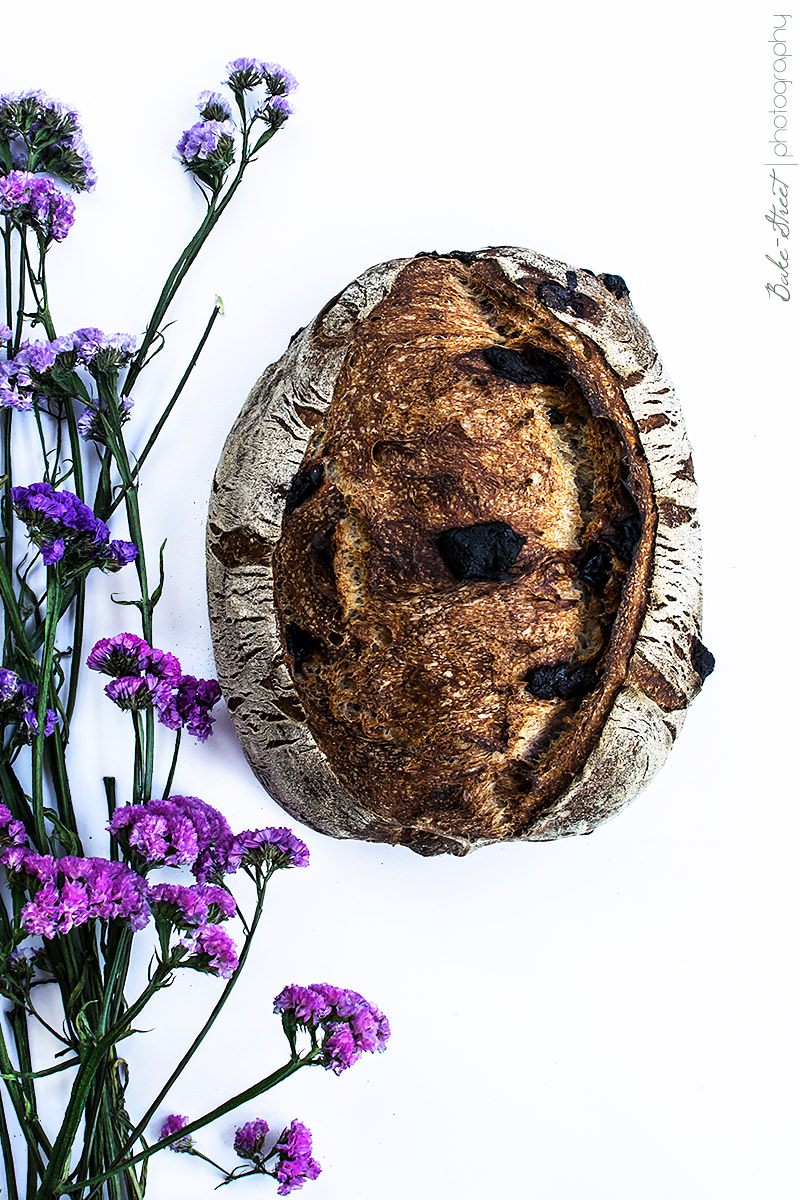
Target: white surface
<point>609,1018</point>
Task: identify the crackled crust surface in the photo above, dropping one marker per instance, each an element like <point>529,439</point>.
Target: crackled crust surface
<point>381,687</point>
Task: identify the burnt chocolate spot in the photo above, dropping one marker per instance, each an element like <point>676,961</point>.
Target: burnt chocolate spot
<point>303,486</point>
<point>564,299</point>
<point>625,537</point>
<point>615,284</point>
<point>555,416</point>
<point>594,565</point>
<point>702,659</point>
<point>528,365</point>
<point>484,551</point>
<point>560,681</point>
<point>241,547</point>
<point>572,280</point>
<point>322,572</point>
<point>300,644</point>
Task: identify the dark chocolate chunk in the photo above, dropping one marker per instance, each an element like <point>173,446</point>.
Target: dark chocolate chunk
<point>303,486</point>
<point>300,644</point>
<point>594,565</point>
<point>702,659</point>
<point>483,551</point>
<point>572,280</point>
<point>564,299</point>
<point>625,537</point>
<point>561,681</point>
<point>615,284</point>
<point>528,365</point>
<point>555,416</point>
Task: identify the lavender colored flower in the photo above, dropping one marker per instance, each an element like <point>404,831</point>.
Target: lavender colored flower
<point>211,950</point>
<point>5,333</point>
<point>277,847</point>
<point>295,1164</point>
<point>9,685</point>
<point>214,107</point>
<point>120,554</point>
<point>12,831</point>
<point>173,1123</point>
<point>350,1024</point>
<point>244,74</point>
<point>190,707</point>
<point>279,81</point>
<point>18,700</point>
<point>249,1139</point>
<point>45,135</point>
<point>202,904</point>
<point>204,140</point>
<point>176,832</point>
<point>138,692</point>
<point>124,654</point>
<point>64,527</point>
<point>30,200</point>
<point>74,891</point>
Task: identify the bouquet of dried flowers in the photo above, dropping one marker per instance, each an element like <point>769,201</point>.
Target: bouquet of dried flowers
<point>68,921</point>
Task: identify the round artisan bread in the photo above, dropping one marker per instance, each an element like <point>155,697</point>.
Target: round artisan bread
<point>453,557</point>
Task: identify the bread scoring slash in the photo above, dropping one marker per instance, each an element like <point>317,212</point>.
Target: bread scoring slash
<point>453,557</point>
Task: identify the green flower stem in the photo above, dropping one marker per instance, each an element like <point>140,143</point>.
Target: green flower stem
<point>23,650</point>
<point>217,1009</point>
<point>8,1156</point>
<point>51,624</point>
<point>137,757</point>
<point>251,1093</point>
<point>174,399</point>
<point>8,265</point>
<point>20,298</point>
<point>173,765</point>
<point>31,1129</point>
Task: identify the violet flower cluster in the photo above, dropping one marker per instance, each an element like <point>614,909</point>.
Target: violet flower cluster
<point>69,891</point>
<point>292,1152</point>
<point>66,529</point>
<point>145,677</point>
<point>348,1024</point>
<point>18,704</point>
<point>40,134</point>
<point>37,202</point>
<point>174,1123</point>
<point>36,373</point>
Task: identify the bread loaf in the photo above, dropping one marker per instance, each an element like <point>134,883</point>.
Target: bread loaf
<point>453,557</point>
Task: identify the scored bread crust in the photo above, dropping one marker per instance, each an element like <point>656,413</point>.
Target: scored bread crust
<point>654,662</point>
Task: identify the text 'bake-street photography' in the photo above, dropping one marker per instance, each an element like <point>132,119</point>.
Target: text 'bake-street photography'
<point>783,156</point>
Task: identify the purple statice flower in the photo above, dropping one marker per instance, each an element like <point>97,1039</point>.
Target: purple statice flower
<point>190,707</point>
<point>137,692</point>
<point>244,74</point>
<point>72,891</point>
<point>5,333</point>
<point>214,107</point>
<point>18,699</point>
<point>279,81</point>
<point>211,950</point>
<point>90,422</point>
<point>295,1164</point>
<point>350,1024</point>
<point>249,1139</point>
<point>124,654</point>
<point>120,554</point>
<point>181,831</point>
<point>12,832</point>
<point>202,904</point>
<point>276,847</point>
<point>64,527</point>
<point>206,139</point>
<point>173,1123</point>
<point>37,202</point>
<point>45,135</point>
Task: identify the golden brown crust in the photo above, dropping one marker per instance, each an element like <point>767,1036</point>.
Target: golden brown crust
<point>416,683</point>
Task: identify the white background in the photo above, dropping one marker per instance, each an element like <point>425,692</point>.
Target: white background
<point>606,1018</point>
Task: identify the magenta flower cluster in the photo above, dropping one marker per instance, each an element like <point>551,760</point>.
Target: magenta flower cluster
<point>18,700</point>
<point>174,1123</point>
<point>66,528</point>
<point>210,949</point>
<point>145,677</point>
<point>202,904</point>
<point>181,831</point>
<point>42,134</point>
<point>349,1024</point>
<point>37,202</point>
<point>69,891</point>
<point>295,1164</point>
